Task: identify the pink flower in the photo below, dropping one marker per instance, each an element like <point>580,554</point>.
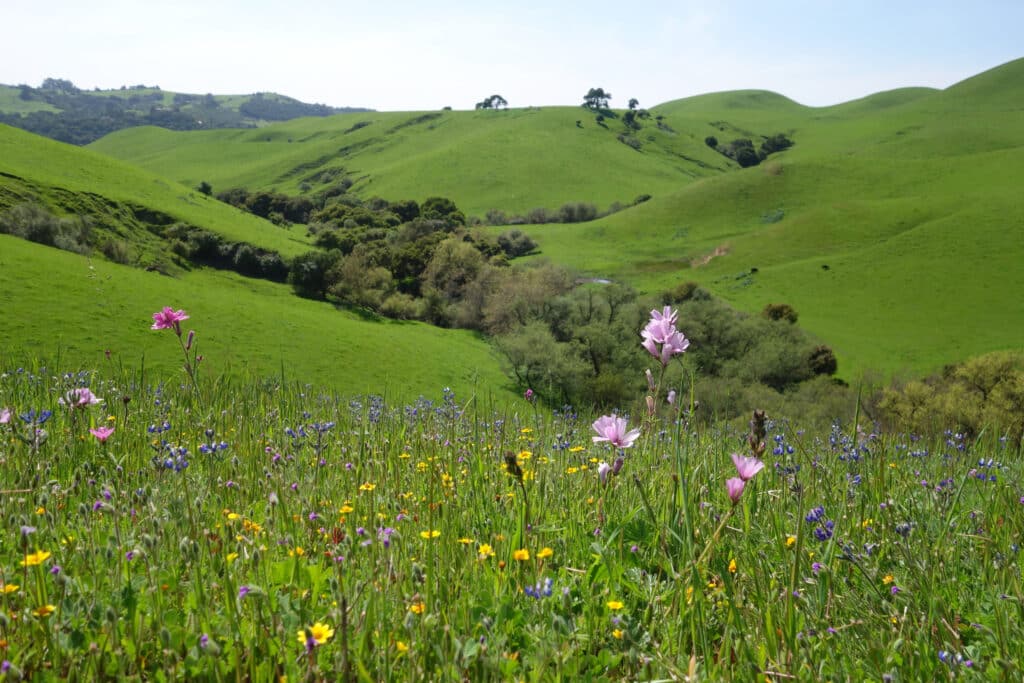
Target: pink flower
<point>612,429</point>
<point>102,433</point>
<point>603,469</point>
<point>5,416</point>
<point>169,319</point>
<point>79,398</point>
<point>661,338</point>
<point>747,467</point>
<point>735,488</point>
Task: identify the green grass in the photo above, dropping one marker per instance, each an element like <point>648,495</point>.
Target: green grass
<point>245,327</point>
<point>11,102</point>
<point>512,160</point>
<point>41,169</point>
<point>396,536</point>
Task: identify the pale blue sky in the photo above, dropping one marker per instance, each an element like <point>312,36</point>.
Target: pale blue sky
<point>411,55</point>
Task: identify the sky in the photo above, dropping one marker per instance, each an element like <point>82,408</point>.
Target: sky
<point>413,55</point>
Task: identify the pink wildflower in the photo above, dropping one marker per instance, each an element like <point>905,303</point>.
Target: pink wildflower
<point>5,416</point>
<point>603,469</point>
<point>747,467</point>
<point>735,488</point>
<point>661,338</point>
<point>102,433</point>
<point>79,398</point>
<point>612,429</point>
<point>169,319</point>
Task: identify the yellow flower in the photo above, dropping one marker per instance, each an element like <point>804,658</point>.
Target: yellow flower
<point>10,588</point>
<point>233,516</point>
<point>617,634</point>
<point>521,555</point>
<point>732,566</point>
<point>231,557</point>
<point>525,430</point>
<point>40,510</point>
<point>345,509</point>
<point>434,533</point>
<point>615,604</point>
<point>297,551</point>
<point>572,470</point>
<point>367,486</point>
<point>689,594</point>
<point>44,610</point>
<point>866,523</point>
<point>576,449</point>
<point>525,455</point>
<point>545,553</point>
<point>417,607</point>
<point>485,550</point>
<point>465,541</point>
<point>111,418</point>
<point>887,579</point>
<point>404,456</point>
<point>36,558</point>
<point>790,541</point>
<point>319,633</point>
<point>401,647</point>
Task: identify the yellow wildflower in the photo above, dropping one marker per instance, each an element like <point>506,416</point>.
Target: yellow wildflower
<point>521,555</point>
<point>732,566</point>
<point>465,541</point>
<point>417,607</point>
<point>36,558</point>
<point>887,579</point>
<point>231,557</point>
<point>367,486</point>
<point>615,604</point>
<point>432,533</point>
<point>790,541</point>
<point>44,610</point>
<point>10,588</point>
<point>401,647</point>
<point>319,633</point>
<point>617,634</point>
<point>485,550</point>
<point>545,553</point>
<point>345,509</point>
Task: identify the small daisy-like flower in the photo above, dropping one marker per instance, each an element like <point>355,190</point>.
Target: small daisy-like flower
<point>485,550</point>
<point>430,533</point>
<point>44,610</point>
<point>367,486</point>
<point>418,607</point>
<point>401,647</point>
<point>36,558</point>
<point>790,541</point>
<point>617,634</point>
<point>615,605</point>
<point>545,553</point>
<point>318,634</point>
<point>9,588</point>
<point>345,509</point>
<point>521,555</point>
<point>466,541</point>
<point>887,579</point>
<point>732,566</point>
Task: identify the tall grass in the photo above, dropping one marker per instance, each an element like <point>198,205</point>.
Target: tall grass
<point>252,530</point>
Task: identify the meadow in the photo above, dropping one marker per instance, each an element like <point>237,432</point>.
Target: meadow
<point>182,525</point>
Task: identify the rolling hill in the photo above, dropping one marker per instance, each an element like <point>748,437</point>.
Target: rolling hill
<point>893,225</point>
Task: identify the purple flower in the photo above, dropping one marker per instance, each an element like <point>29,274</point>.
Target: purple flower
<point>204,640</point>
<point>816,567</point>
<point>5,416</point>
<point>243,591</point>
<point>734,487</point>
<point>894,590</point>
<point>747,467</point>
<point>528,395</point>
<point>603,469</point>
<point>612,429</point>
<point>169,319</point>
<point>661,330</point>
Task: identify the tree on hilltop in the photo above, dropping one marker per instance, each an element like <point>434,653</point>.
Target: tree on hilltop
<point>492,102</point>
<point>596,98</point>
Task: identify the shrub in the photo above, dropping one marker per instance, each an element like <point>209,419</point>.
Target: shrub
<point>780,312</point>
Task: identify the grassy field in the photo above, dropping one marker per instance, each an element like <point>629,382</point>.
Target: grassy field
<point>256,531</point>
<point>246,328</point>
<point>11,102</point>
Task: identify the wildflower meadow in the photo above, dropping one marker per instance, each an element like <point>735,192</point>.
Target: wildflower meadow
<point>200,527</point>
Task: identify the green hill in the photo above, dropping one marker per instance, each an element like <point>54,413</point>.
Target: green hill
<point>245,327</point>
<point>61,111</point>
<point>892,225</point>
<point>124,202</point>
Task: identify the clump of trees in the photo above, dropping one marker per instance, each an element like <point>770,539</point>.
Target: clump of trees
<point>743,152</point>
<point>492,102</point>
<point>36,223</point>
<point>570,212</point>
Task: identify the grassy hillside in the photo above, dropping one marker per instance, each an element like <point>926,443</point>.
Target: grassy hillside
<point>82,307</point>
<point>121,198</point>
<point>513,160</point>
<point>892,226</point>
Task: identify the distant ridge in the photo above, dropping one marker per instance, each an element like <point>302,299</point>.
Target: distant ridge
<point>60,110</point>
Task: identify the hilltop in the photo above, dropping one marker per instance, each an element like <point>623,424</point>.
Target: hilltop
<point>61,111</point>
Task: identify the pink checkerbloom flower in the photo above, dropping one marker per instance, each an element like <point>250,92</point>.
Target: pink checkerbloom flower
<point>169,319</point>
<point>612,428</point>
<point>102,433</point>
<point>79,398</point>
<point>660,336</point>
<point>746,466</point>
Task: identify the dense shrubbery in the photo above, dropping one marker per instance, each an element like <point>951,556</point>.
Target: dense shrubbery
<point>982,394</point>
<point>570,212</point>
<point>743,152</point>
<point>36,223</point>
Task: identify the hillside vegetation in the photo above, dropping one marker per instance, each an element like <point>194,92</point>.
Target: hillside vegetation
<point>245,327</point>
<point>60,110</point>
<point>891,225</point>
